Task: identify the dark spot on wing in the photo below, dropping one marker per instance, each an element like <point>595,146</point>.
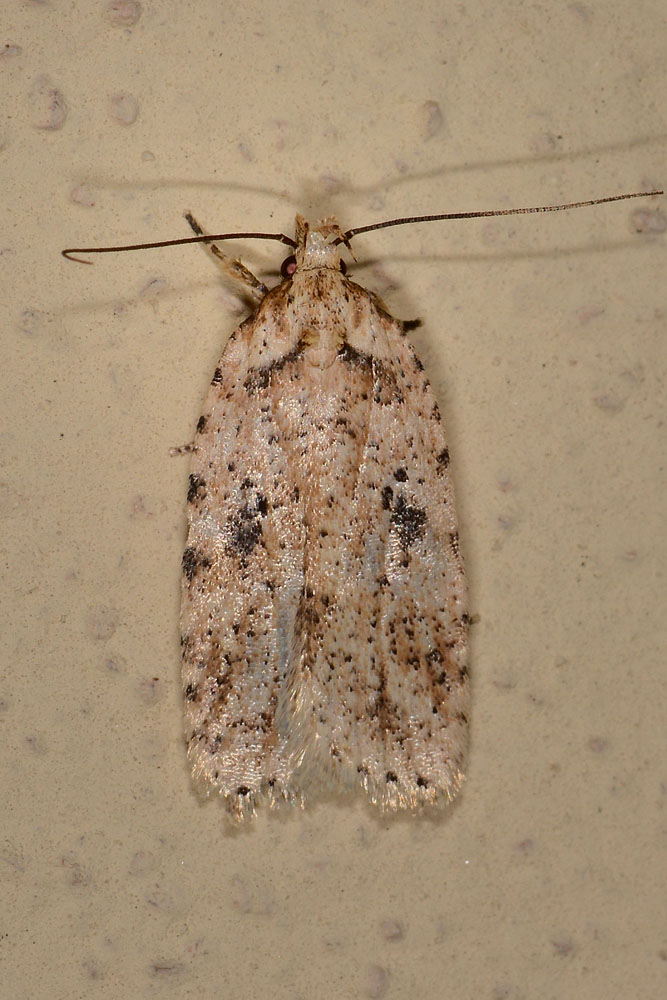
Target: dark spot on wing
<point>355,359</point>
<point>443,458</point>
<point>243,530</point>
<point>385,387</point>
<point>196,489</point>
<point>192,560</point>
<point>259,379</point>
<point>408,521</point>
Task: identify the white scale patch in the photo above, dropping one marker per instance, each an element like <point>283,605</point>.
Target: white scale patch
<point>324,623</point>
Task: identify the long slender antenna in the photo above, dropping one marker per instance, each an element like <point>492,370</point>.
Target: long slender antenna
<point>485,215</point>
<point>351,233</point>
<point>280,237</point>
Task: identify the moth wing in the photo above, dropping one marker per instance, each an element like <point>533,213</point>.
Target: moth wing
<point>242,576</point>
<point>389,671</point>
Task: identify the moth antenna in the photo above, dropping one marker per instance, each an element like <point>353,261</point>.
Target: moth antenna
<point>351,233</point>
<point>279,237</point>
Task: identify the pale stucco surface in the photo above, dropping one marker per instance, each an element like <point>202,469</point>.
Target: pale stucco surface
<point>545,340</point>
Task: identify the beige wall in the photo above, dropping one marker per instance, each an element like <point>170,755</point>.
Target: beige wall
<point>544,339</point>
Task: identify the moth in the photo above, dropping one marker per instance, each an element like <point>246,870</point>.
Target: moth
<point>324,619</point>
<point>324,613</point>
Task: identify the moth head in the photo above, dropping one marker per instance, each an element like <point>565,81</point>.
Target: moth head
<point>316,247</point>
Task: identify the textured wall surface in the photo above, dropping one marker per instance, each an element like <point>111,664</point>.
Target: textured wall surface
<point>544,340</point>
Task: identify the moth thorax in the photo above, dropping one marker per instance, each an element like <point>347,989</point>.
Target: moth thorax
<point>318,251</point>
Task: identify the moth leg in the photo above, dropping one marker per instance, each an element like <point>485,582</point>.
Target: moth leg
<point>234,269</point>
<point>182,449</point>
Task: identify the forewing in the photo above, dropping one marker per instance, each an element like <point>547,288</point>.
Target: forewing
<point>242,576</point>
<point>388,667</point>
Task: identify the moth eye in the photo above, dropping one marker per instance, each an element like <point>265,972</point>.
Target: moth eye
<point>343,267</point>
<point>288,266</point>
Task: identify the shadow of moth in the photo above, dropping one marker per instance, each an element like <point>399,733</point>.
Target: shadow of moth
<point>324,619</point>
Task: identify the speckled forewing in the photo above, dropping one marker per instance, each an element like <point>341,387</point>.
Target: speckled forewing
<point>242,574</point>
<point>385,666</point>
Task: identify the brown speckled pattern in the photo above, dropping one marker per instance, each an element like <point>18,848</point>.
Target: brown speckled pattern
<point>324,621</point>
